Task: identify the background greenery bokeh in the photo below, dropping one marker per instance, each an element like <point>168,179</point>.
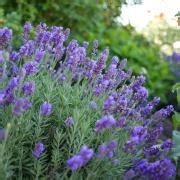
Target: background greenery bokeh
<point>94,19</point>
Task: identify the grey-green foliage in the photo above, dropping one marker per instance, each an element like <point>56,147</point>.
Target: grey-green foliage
<point>176,150</point>
<point>16,159</point>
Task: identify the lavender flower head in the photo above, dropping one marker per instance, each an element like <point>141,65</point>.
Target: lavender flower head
<point>107,149</point>
<point>28,88</point>
<point>31,67</point>
<point>81,159</point>
<point>38,150</point>
<point>105,123</point>
<point>75,162</point>
<point>46,109</point>
<point>27,29</point>
<point>21,105</point>
<point>39,56</point>
<point>69,121</point>
<point>5,37</point>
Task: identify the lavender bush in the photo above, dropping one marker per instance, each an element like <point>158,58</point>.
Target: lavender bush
<point>65,115</point>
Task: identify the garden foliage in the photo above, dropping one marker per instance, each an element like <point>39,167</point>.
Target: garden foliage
<point>66,114</point>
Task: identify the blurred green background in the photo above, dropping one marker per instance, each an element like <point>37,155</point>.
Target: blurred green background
<point>96,19</point>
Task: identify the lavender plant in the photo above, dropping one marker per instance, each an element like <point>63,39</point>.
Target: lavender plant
<point>65,115</point>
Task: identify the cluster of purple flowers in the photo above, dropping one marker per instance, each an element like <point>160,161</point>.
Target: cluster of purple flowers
<point>160,169</point>
<point>125,106</point>
<point>105,123</point>
<point>28,88</point>
<point>81,159</point>
<point>107,150</point>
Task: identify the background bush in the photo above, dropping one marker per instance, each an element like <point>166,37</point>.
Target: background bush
<point>94,19</point>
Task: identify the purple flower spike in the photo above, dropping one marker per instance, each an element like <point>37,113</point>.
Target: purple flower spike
<point>81,159</point>
<point>31,67</point>
<point>21,105</point>
<point>86,154</point>
<point>105,123</point>
<point>27,49</point>
<point>28,88</point>
<point>5,37</point>
<point>27,29</point>
<point>167,145</point>
<point>75,162</point>
<point>39,56</point>
<point>38,150</point>
<point>142,94</point>
<point>46,109</point>
<point>107,149</point>
<point>140,132</point>
<point>13,83</point>
<point>14,56</point>
<point>69,121</point>
<point>129,175</point>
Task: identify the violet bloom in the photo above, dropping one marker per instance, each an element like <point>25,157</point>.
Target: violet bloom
<point>163,113</point>
<point>111,147</point>
<point>8,95</point>
<point>167,145</point>
<point>138,82</point>
<point>86,153</point>
<point>112,69</point>
<point>85,44</point>
<point>121,122</point>
<point>31,67</point>
<point>14,56</point>
<point>75,162</point>
<point>141,94</point>
<point>13,83</point>
<point>46,109</point>
<point>108,103</point>
<point>28,88</point>
<point>81,159</point>
<point>27,29</point>
<point>160,169</point>
<point>101,63</point>
<point>130,144</point>
<point>27,49</point>
<point>39,56</point>
<point>69,121</point>
<point>129,174</point>
<point>5,37</point>
<point>107,149</point>
<point>140,132</point>
<point>152,152</point>
<point>21,105</point>
<point>105,123</point>
<point>38,150</point>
